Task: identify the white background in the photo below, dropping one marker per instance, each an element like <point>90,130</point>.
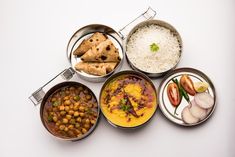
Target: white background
<point>33,39</point>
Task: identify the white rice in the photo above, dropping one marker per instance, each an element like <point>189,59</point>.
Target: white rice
<point>140,54</point>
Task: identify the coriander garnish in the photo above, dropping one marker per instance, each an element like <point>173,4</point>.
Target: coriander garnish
<point>154,47</point>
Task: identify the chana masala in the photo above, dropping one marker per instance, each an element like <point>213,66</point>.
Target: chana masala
<point>128,100</point>
<point>70,112</point>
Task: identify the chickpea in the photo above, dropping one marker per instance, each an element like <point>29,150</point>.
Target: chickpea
<point>86,109</point>
<point>66,129</point>
<point>67,102</point>
<point>66,108</point>
<point>65,120</point>
<point>70,126</point>
<point>83,121</point>
<point>62,127</point>
<point>71,112</point>
<point>88,97</point>
<point>90,117</point>
<point>76,104</point>
<point>84,130</point>
<point>58,123</point>
<point>87,121</point>
<point>52,113</point>
<point>76,114</point>
<point>81,108</point>
<point>62,113</point>
<point>77,125</point>
<point>53,99</point>
<point>72,121</point>
<point>71,106</point>
<point>68,116</point>
<point>87,126</point>
<point>75,107</point>
<point>93,121</point>
<point>61,108</point>
<point>89,105</point>
<point>82,114</point>
<point>55,119</point>
<point>79,119</point>
<point>78,132</point>
<point>95,114</point>
<point>66,98</point>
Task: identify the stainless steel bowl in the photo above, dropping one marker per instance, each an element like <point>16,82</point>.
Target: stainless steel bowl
<point>167,108</point>
<point>50,92</point>
<point>86,32</point>
<point>126,72</point>
<point>159,23</point>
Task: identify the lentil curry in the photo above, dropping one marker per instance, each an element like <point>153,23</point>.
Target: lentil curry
<point>128,100</point>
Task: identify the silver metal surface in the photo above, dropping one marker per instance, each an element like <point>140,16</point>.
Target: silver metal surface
<point>64,78</point>
<point>37,96</point>
<point>159,23</point>
<point>164,103</point>
<point>50,92</point>
<point>137,74</point>
<point>86,32</point>
<point>147,15</point>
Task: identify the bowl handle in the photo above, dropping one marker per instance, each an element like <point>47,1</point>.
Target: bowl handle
<point>37,96</point>
<point>147,15</point>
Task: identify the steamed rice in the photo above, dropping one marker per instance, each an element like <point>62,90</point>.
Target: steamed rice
<point>139,53</point>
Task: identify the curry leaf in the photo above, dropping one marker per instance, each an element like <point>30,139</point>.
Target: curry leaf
<point>56,103</point>
<point>49,118</point>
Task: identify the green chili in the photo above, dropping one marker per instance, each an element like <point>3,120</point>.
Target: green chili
<point>181,90</point>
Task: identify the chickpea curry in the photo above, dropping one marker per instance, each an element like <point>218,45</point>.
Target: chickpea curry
<point>128,100</point>
<point>70,112</point>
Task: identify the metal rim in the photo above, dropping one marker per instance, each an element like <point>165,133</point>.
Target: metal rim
<point>162,24</point>
<point>51,91</point>
<point>190,70</point>
<point>90,29</point>
<point>138,74</point>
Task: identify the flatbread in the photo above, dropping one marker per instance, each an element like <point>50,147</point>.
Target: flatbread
<point>99,69</point>
<point>104,52</point>
<point>86,44</point>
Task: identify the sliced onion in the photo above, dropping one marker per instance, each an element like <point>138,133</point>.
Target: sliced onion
<point>188,117</point>
<point>204,100</point>
<point>209,111</point>
<point>197,111</point>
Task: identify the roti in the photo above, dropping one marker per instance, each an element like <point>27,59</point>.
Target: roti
<point>99,69</point>
<point>87,44</point>
<point>104,52</point>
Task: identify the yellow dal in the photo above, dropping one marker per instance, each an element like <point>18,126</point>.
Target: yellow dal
<point>118,116</point>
